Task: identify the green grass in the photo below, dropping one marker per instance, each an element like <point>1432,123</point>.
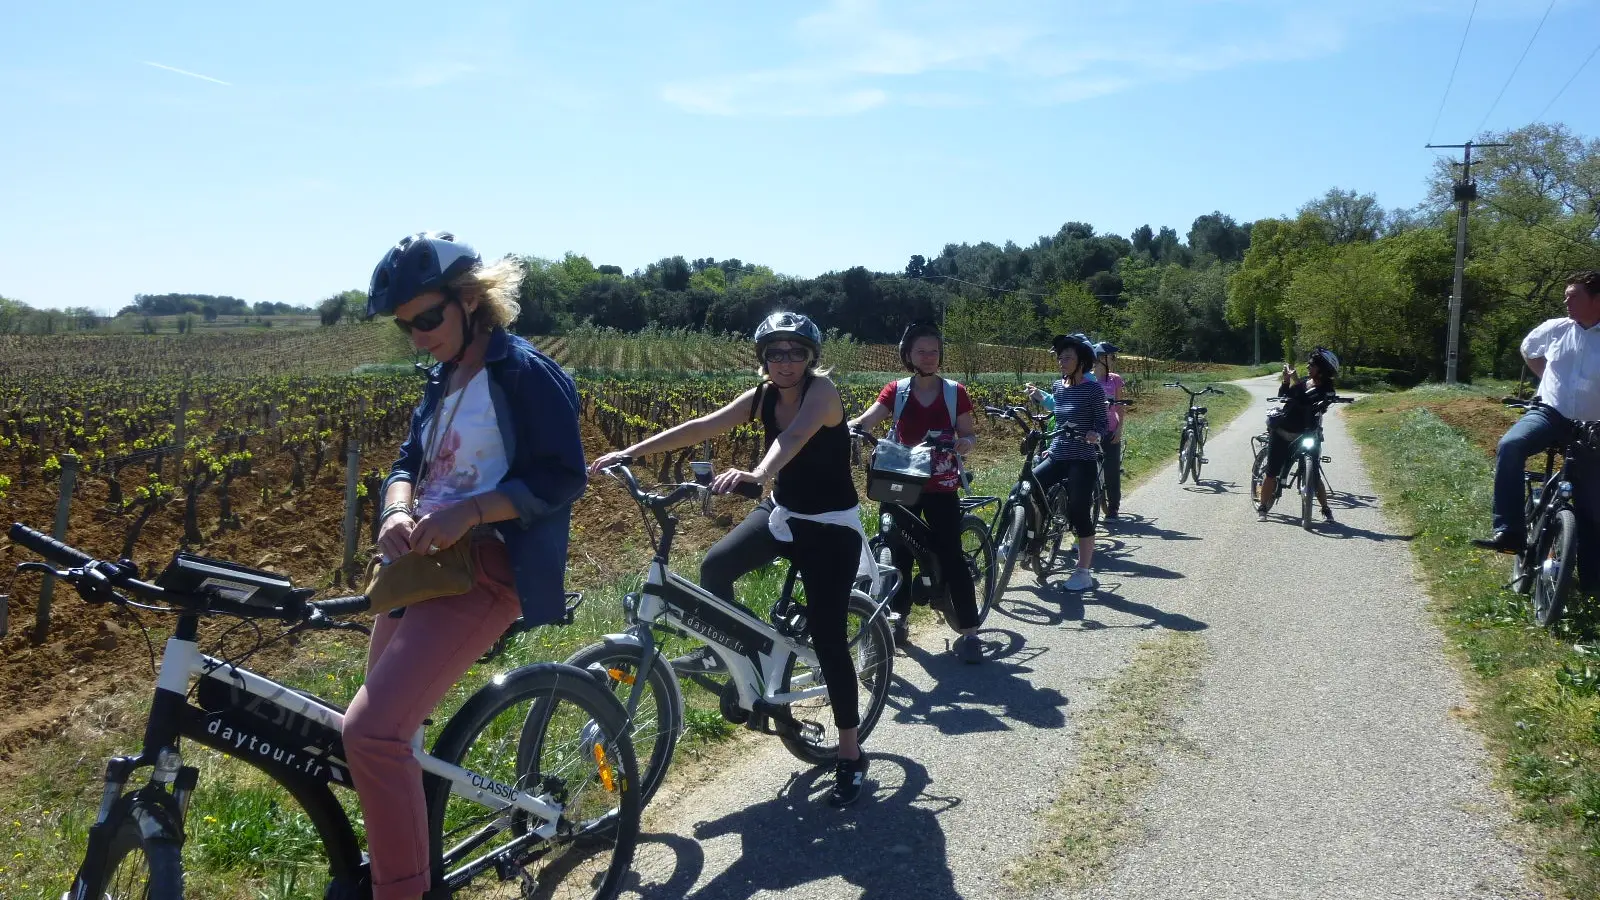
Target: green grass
<point>1537,694</point>
<point>1120,742</point>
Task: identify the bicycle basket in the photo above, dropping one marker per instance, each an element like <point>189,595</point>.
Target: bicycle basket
<point>898,473</point>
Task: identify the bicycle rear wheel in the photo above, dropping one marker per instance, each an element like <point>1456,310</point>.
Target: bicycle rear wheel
<point>544,729</point>
<point>1258,474</point>
<point>872,646</point>
<point>1552,581</point>
<point>979,551</point>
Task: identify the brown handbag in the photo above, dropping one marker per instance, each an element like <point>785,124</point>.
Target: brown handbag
<point>416,577</point>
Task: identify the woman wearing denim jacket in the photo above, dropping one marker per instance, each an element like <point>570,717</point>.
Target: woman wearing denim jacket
<point>495,443</point>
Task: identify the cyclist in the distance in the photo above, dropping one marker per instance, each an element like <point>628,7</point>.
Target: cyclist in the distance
<point>1302,400</point>
<point>920,408</point>
<point>1077,401</point>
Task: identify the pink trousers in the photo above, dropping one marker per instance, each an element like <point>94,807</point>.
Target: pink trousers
<point>412,663</point>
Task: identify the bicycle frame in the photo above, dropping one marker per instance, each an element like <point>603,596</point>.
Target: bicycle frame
<point>754,654</point>
<point>296,740</point>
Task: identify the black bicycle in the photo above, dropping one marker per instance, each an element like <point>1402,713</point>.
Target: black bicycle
<point>1192,443</point>
<point>1030,519</point>
<point>1544,568</point>
<point>1303,470</point>
<point>900,528</point>
<point>533,778</point>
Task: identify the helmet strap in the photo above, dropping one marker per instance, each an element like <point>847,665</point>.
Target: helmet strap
<point>469,331</point>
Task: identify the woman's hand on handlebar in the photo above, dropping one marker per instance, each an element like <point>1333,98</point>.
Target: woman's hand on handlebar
<point>609,459</point>
<point>728,480</point>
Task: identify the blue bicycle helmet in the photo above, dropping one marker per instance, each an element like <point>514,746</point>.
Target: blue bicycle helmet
<point>1106,348</point>
<point>422,262</point>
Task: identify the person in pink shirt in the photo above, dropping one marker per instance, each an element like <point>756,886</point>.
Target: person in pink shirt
<point>1112,384</point>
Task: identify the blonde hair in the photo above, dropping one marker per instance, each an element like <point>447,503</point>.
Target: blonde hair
<point>491,291</point>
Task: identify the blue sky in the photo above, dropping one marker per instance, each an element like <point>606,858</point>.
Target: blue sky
<point>274,151</point>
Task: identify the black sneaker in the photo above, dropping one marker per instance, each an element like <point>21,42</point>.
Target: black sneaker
<point>902,633</point>
<point>1502,541</point>
<point>848,775</point>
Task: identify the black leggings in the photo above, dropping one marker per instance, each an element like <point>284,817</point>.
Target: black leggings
<point>941,510</point>
<point>827,557</point>
<point>1079,475</point>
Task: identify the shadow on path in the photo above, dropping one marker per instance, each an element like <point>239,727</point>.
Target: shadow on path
<point>890,842</point>
<point>989,696</point>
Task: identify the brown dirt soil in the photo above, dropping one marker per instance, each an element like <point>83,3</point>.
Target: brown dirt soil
<point>90,652</point>
<point>1480,419</point>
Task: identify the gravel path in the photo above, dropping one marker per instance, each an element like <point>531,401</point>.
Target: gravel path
<point>1326,761</point>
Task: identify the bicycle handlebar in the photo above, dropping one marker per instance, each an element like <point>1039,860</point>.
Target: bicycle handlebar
<point>680,492</point>
<point>102,579</point>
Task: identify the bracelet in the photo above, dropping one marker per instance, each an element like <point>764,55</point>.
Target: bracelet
<point>391,509</point>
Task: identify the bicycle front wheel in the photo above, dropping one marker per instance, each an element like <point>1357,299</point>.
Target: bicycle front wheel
<point>1013,534</point>
<point>551,731</point>
<point>134,868</point>
<point>872,649</point>
<point>1552,580</point>
<point>1197,458</point>
<point>1185,452</point>
<point>658,720</point>
<point>1308,489</point>
<point>979,552</point>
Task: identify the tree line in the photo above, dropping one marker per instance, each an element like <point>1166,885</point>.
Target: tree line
<point>1342,272</point>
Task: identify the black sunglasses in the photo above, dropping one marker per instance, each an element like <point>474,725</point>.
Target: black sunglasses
<point>427,320</point>
<point>795,355</point>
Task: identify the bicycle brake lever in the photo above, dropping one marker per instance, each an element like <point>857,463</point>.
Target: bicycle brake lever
<point>46,569</point>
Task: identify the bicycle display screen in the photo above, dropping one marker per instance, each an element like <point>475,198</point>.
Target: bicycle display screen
<point>198,574</point>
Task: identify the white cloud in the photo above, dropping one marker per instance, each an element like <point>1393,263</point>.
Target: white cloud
<point>854,55</point>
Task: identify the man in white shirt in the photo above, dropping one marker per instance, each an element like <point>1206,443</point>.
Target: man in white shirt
<point>1565,354</point>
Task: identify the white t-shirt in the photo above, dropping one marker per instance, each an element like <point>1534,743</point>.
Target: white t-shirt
<point>1571,381</point>
<point>471,456</point>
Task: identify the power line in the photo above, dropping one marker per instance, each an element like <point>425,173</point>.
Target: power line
<point>1514,68</point>
<point>1592,54</point>
<point>1587,245</point>
<point>1452,80</point>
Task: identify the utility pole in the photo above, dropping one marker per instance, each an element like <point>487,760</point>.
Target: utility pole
<point>1466,191</point>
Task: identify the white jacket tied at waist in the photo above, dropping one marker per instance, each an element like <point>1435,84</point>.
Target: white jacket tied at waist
<point>778,524</point>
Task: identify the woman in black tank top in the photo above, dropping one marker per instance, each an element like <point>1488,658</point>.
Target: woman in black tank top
<point>808,460</point>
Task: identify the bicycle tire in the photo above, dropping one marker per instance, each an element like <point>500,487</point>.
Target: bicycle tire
<point>1308,489</point>
<point>1521,573</point>
<point>1258,474</point>
<point>1197,458</point>
<point>983,574</point>
<point>1014,532</point>
<point>1550,589</point>
<point>491,735</point>
<point>1184,451</point>
<point>1055,503</point>
<point>874,661</point>
<point>658,722</point>
<point>159,878</point>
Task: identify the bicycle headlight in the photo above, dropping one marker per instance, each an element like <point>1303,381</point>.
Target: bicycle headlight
<point>885,522</point>
<point>1308,443</point>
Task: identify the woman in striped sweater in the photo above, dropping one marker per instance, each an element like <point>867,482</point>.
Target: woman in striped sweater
<point>1073,459</point>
